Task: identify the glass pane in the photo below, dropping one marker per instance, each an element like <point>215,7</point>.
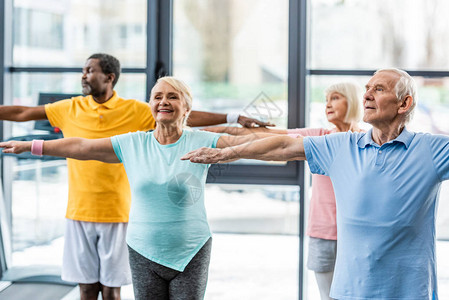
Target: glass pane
<point>27,86</point>
<point>253,267</point>
<point>359,34</point>
<point>234,55</point>
<point>39,201</point>
<point>253,209</point>
<point>255,241</point>
<point>64,33</point>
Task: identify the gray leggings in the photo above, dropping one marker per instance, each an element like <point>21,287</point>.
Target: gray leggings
<point>154,281</point>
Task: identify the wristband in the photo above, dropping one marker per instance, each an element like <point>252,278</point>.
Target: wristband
<point>232,118</point>
<point>37,147</point>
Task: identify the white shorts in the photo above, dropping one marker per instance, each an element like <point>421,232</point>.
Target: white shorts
<point>96,252</point>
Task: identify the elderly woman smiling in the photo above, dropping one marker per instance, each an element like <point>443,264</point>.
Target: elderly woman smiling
<point>168,237</point>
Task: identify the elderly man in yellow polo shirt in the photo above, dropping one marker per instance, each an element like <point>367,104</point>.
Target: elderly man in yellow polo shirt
<point>95,251</point>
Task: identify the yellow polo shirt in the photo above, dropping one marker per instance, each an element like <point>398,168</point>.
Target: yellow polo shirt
<point>98,192</point>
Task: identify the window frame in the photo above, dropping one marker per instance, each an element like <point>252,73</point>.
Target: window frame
<point>3,44</point>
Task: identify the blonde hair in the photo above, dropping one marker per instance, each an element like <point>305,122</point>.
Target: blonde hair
<point>405,86</point>
<point>352,93</point>
<point>181,88</point>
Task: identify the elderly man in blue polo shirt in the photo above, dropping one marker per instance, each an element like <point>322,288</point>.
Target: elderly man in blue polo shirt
<point>386,183</point>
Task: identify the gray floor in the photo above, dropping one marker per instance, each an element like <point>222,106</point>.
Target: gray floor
<point>35,291</point>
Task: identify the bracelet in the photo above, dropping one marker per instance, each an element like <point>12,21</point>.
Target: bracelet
<point>37,147</point>
<point>232,118</point>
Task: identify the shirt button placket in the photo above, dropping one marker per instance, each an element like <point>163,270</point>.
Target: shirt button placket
<point>100,115</point>
<point>380,157</point>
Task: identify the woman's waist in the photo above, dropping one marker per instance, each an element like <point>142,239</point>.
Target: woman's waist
<point>168,234</point>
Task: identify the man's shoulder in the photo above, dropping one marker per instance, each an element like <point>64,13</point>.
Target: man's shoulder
<point>132,101</point>
<point>141,105</point>
<point>335,141</point>
<point>80,98</point>
<point>61,104</point>
<point>431,139</point>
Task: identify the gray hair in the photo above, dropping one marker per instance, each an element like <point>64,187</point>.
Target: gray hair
<point>405,86</point>
<point>352,93</point>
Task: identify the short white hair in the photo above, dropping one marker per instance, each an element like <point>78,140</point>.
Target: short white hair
<point>352,93</point>
<point>181,88</point>
<point>405,86</point>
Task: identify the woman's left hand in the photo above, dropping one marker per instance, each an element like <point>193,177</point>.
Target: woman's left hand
<point>204,155</point>
<point>15,147</point>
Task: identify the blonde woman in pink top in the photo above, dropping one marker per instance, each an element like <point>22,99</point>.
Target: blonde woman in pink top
<point>343,110</point>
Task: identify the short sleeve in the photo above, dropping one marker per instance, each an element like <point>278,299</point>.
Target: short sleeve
<point>321,150</point>
<point>208,139</point>
<point>119,143</point>
<point>215,139</point>
<point>57,112</point>
<point>439,147</point>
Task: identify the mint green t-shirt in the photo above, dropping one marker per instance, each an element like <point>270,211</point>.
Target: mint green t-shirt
<point>167,222</point>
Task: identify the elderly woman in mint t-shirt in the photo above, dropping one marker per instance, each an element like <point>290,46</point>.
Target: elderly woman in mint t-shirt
<point>168,234</point>
<point>343,111</point>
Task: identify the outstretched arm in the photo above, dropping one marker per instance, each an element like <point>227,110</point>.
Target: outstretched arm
<point>22,113</point>
<point>234,140</point>
<point>244,131</point>
<point>276,148</point>
<point>77,148</point>
<point>201,118</point>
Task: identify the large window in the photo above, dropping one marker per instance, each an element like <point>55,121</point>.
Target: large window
<point>234,54</point>
<point>38,29</point>
<point>358,34</point>
<point>64,33</point>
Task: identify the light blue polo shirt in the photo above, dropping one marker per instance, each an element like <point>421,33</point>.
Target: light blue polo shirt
<point>386,207</point>
<point>167,222</point>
